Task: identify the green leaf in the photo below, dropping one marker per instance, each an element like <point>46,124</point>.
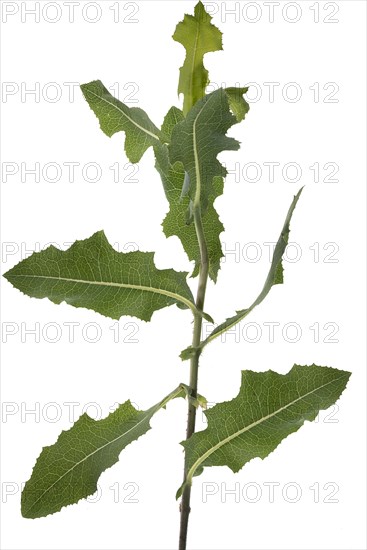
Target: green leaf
<point>198,36</point>
<point>268,408</point>
<point>237,102</point>
<point>198,140</point>
<point>93,275</point>
<point>275,276</point>
<point>172,118</point>
<point>69,470</point>
<point>114,117</point>
<point>176,223</point>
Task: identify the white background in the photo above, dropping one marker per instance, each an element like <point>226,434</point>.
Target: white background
<point>46,375</point>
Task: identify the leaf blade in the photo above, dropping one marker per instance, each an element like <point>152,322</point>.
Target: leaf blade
<point>93,275</point>
<point>198,36</point>
<point>114,116</point>
<point>197,141</point>
<point>175,222</point>
<point>194,145</point>
<point>274,277</point>
<point>68,470</point>
<point>237,102</point>
<point>268,408</point>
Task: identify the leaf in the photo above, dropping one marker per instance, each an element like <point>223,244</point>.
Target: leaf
<point>268,408</point>
<point>93,275</point>
<point>198,36</point>
<point>198,140</point>
<point>114,117</point>
<point>69,470</point>
<point>175,223</point>
<point>275,277</point>
<point>237,102</point>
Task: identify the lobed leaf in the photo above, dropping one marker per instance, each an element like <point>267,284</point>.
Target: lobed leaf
<point>275,276</point>
<point>69,470</point>
<point>176,221</point>
<point>93,275</point>
<point>114,116</point>
<point>198,36</point>
<point>268,408</point>
<point>197,141</point>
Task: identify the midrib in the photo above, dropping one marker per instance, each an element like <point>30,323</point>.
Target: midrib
<point>196,156</point>
<point>125,115</point>
<point>245,429</point>
<point>118,285</point>
<point>193,65</point>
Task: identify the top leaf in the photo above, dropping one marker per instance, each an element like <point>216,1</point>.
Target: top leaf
<point>115,116</point>
<point>198,36</point>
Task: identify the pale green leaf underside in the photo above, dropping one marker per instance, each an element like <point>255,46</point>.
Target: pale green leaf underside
<point>175,222</point>
<point>93,275</point>
<point>198,36</point>
<point>114,116</point>
<point>275,276</point>
<point>268,408</point>
<point>197,141</point>
<point>69,470</point>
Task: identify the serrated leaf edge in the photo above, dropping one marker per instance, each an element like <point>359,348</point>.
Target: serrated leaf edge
<point>148,132</point>
<point>142,288</point>
<point>197,464</point>
<point>178,392</point>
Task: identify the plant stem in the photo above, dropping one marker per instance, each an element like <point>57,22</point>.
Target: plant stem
<point>194,368</point>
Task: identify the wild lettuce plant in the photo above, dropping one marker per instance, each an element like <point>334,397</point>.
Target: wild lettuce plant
<point>91,274</point>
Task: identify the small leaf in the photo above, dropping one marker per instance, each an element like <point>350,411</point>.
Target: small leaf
<point>69,470</point>
<point>198,36</point>
<point>172,118</point>
<point>268,408</point>
<point>275,276</point>
<point>114,117</point>
<point>237,102</point>
<point>93,275</point>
